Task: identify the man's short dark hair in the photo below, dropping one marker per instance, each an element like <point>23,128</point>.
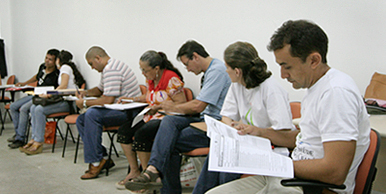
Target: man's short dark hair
<point>189,47</point>
<point>304,37</point>
<point>54,52</point>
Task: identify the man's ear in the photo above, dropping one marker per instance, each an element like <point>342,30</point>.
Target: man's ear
<point>195,56</point>
<point>315,59</point>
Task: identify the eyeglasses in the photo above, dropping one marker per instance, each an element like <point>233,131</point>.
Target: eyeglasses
<point>187,62</point>
<point>145,71</point>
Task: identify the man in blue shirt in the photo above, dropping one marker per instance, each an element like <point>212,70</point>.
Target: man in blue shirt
<point>174,135</point>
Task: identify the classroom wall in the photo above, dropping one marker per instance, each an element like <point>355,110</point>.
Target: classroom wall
<point>128,28</point>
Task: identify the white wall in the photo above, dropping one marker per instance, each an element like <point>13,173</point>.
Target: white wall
<point>126,29</point>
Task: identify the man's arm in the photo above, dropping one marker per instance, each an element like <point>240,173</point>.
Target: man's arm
<point>32,79</point>
<point>333,167</point>
<point>189,108</point>
<point>95,92</point>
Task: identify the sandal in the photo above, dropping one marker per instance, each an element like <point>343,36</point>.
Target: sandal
<point>121,184</point>
<point>26,146</point>
<point>36,148</point>
<point>144,183</point>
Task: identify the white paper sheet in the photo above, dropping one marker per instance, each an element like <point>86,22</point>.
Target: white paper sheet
<point>42,89</point>
<point>231,152</point>
<point>125,106</point>
<point>139,116</point>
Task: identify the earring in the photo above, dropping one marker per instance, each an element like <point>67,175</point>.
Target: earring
<point>156,74</point>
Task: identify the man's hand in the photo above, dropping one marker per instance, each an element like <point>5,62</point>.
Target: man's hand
<point>168,106</point>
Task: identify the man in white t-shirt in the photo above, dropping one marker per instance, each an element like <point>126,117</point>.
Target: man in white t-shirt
<point>334,130</point>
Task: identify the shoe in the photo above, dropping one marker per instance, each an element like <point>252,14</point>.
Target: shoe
<point>12,139</point>
<point>144,182</point>
<point>34,149</point>
<point>16,144</point>
<point>93,171</point>
<point>26,146</point>
<point>109,164</point>
<point>121,184</point>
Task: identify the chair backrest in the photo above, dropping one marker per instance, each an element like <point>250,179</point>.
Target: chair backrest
<point>367,170</point>
<point>143,89</point>
<point>295,110</point>
<point>188,94</point>
<point>11,80</point>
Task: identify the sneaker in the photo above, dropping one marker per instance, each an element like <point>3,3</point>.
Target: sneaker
<point>16,144</point>
<point>11,139</point>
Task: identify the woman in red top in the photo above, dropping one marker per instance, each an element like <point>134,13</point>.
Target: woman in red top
<point>164,82</point>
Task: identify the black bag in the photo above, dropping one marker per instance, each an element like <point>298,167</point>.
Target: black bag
<point>36,100</point>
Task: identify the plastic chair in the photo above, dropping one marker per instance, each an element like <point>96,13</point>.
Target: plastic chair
<point>6,100</point>
<point>363,180</point>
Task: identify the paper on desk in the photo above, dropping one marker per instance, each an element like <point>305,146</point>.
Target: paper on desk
<point>125,106</point>
<point>42,89</point>
<point>231,152</point>
<point>73,98</point>
<point>139,116</point>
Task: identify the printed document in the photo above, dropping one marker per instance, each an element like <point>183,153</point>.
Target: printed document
<point>247,154</point>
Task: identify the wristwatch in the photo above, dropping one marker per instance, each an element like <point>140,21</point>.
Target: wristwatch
<point>84,104</point>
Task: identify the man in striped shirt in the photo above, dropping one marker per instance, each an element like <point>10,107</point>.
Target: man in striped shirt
<point>117,80</point>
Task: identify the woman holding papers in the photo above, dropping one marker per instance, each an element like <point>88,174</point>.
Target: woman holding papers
<point>164,82</point>
<point>69,78</point>
<point>254,101</point>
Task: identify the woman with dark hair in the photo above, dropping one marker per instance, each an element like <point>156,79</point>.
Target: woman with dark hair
<point>164,82</point>
<point>255,102</point>
<point>69,78</point>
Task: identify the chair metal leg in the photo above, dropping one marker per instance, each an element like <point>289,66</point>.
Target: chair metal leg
<point>2,124</point>
<point>53,144</point>
<point>65,140</point>
<point>76,149</point>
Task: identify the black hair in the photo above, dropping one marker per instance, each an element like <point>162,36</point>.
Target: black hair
<point>244,56</point>
<point>304,37</point>
<point>65,57</point>
<point>160,59</point>
<point>189,47</point>
<point>53,52</point>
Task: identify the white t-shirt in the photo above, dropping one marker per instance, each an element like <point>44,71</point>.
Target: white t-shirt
<point>333,110</point>
<point>66,69</point>
<point>263,106</point>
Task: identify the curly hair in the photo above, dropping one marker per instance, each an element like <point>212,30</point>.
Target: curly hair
<point>244,56</point>
<point>65,57</point>
<point>304,37</point>
<point>160,59</point>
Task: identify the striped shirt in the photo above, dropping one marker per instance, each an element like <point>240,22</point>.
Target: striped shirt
<point>118,80</point>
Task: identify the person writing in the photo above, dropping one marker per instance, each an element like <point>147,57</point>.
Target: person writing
<point>164,83</point>
<point>69,78</point>
<point>255,100</point>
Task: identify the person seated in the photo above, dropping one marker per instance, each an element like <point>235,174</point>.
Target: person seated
<point>255,101</point>
<point>69,78</point>
<point>117,80</point>
<point>164,82</point>
<point>175,136</point>
<point>47,76</point>
<point>335,128</point>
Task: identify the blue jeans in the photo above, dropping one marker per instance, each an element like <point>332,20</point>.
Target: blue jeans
<point>90,127</point>
<point>38,117</point>
<point>211,179</point>
<point>20,113</point>
<point>174,136</point>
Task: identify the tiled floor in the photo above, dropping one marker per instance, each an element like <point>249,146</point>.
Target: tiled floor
<point>50,173</point>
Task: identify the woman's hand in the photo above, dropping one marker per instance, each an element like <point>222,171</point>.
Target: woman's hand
<point>153,109</point>
<point>249,129</point>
